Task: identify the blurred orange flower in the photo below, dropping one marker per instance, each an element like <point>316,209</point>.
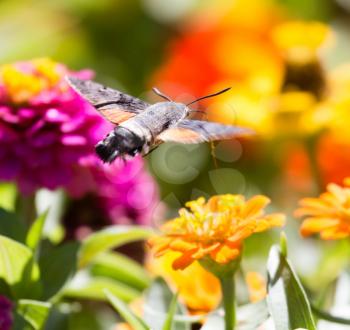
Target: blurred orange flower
<point>198,289</point>
<point>256,286</point>
<point>271,63</point>
<point>223,44</point>
<point>328,214</point>
<point>214,229</point>
<point>333,158</point>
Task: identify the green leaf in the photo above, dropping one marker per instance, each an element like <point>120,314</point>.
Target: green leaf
<point>35,231</point>
<point>121,268</point>
<point>168,324</point>
<point>34,312</point>
<point>11,226</point>
<point>286,298</point>
<point>283,244</point>
<point>57,265</point>
<point>109,238</point>
<point>157,304</point>
<point>84,286</point>
<point>17,268</point>
<point>8,194</point>
<point>330,317</point>
<point>133,320</point>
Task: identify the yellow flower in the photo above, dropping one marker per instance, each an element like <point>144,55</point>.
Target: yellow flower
<point>301,40</point>
<point>256,286</point>
<point>291,103</point>
<point>25,80</point>
<point>47,69</point>
<point>214,229</point>
<point>198,288</point>
<point>329,214</point>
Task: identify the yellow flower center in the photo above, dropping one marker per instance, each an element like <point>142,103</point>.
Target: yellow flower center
<point>22,85</point>
<point>212,222</point>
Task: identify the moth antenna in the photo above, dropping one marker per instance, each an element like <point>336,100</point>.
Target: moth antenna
<point>210,95</point>
<point>159,93</point>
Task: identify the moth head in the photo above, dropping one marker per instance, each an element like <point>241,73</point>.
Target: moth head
<point>118,143</point>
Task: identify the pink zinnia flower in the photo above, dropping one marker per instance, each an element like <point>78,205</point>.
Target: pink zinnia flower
<point>45,128</point>
<point>6,318</point>
<point>47,139</point>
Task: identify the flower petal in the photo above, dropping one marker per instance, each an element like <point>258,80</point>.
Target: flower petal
<point>315,225</point>
<point>255,206</point>
<point>272,220</point>
<point>183,261</point>
<point>225,254</point>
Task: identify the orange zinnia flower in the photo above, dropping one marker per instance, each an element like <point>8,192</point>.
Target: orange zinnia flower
<point>329,214</point>
<point>214,229</point>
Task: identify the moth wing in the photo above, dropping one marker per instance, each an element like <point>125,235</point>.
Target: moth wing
<point>195,131</point>
<point>115,106</point>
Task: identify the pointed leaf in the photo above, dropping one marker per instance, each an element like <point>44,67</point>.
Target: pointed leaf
<point>34,312</point>
<point>35,231</point>
<point>57,264</point>
<point>108,239</point>
<point>168,324</point>
<point>17,268</point>
<point>133,320</point>
<point>84,286</point>
<point>287,301</point>
<point>121,268</point>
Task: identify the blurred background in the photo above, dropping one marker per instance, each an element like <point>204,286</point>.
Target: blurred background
<point>288,63</point>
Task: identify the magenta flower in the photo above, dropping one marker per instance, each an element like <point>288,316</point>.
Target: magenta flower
<point>45,128</point>
<point>5,313</point>
<point>47,139</point>
<point>123,194</point>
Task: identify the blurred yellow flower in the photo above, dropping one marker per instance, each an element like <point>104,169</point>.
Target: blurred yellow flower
<point>198,289</point>
<point>24,80</point>
<point>329,214</point>
<point>292,104</point>
<point>300,39</point>
<point>214,229</point>
<point>256,286</point>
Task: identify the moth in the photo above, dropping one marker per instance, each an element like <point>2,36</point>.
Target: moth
<point>141,127</point>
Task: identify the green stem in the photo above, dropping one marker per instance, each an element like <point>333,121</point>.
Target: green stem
<point>228,294</point>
